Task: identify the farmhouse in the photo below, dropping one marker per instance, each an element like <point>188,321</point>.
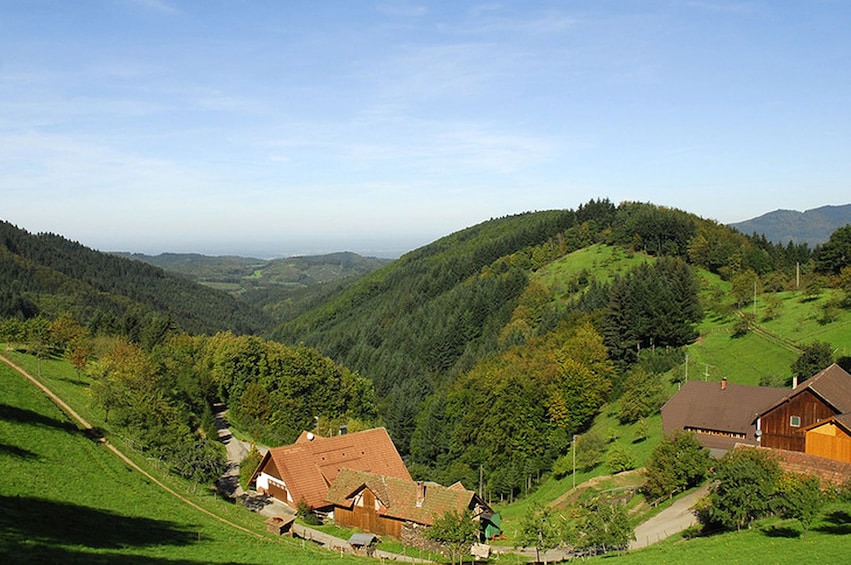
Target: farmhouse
<point>782,423</point>
<point>399,507</point>
<point>720,414</point>
<point>306,469</point>
<point>813,417</point>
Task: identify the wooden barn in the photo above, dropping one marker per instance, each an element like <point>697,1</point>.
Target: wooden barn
<point>387,505</point>
<point>782,424</point>
<point>720,414</point>
<point>830,438</point>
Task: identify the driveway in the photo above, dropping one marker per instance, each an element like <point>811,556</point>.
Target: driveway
<point>672,520</point>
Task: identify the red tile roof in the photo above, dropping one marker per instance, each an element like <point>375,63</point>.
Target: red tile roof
<point>398,497</point>
<point>310,465</point>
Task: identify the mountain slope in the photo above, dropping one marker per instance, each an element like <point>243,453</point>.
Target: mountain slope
<point>46,273</point>
<point>812,226</point>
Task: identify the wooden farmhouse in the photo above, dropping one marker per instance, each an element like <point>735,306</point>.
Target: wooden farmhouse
<point>305,470</point>
<point>827,394</point>
<point>390,506</point>
<point>812,417</point>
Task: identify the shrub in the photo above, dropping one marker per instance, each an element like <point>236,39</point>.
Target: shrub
<point>620,459</point>
<point>747,480</point>
<point>677,463</point>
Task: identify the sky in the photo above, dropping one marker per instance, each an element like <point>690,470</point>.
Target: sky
<point>274,128</point>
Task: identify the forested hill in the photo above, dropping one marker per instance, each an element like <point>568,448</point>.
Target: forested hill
<point>813,227</point>
<point>51,275</point>
<point>489,347</point>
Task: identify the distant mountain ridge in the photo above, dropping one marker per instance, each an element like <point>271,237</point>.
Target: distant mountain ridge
<point>811,226</point>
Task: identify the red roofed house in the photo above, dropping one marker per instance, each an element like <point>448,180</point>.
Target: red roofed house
<point>388,505</point>
<point>825,395</point>
<point>305,470</point>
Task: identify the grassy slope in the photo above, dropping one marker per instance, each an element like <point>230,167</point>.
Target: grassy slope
<point>65,498</point>
<point>717,353</point>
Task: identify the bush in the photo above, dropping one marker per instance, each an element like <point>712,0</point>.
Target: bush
<point>677,463</point>
<point>747,481</point>
<point>620,459</point>
<point>248,465</point>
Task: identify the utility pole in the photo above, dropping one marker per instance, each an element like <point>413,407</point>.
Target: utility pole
<point>574,460</point>
<point>754,301</point>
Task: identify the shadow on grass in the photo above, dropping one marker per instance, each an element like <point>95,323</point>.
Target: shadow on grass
<point>26,520</point>
<point>837,522</point>
<point>52,554</point>
<point>18,452</point>
<point>24,416</point>
<point>784,530</point>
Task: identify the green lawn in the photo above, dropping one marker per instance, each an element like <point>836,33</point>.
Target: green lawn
<point>828,541</point>
<point>65,498</point>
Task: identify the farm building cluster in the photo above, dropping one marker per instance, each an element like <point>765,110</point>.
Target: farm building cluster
<point>360,481</point>
<point>811,422</point>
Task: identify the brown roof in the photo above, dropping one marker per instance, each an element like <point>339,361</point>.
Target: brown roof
<point>707,406</point>
<point>398,497</point>
<point>832,385</point>
<point>310,465</point>
<point>842,420</point>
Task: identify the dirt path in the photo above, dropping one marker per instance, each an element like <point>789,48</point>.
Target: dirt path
<point>236,449</point>
<point>672,520</point>
<point>89,429</point>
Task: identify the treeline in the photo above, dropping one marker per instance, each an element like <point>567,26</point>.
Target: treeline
<point>49,275</point>
<point>162,398</point>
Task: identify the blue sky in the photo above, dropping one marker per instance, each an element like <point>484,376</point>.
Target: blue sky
<point>270,128</point>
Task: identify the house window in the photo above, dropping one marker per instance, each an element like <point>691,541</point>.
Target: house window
<point>795,421</point>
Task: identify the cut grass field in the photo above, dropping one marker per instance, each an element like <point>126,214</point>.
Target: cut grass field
<point>66,498</point>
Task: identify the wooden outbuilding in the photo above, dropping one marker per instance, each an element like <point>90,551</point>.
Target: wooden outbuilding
<point>827,394</point>
<point>280,525</point>
<point>830,438</point>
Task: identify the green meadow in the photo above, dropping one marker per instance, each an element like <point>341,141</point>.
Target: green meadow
<point>64,498</point>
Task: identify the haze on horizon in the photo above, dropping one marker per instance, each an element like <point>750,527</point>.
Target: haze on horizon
<point>271,129</point>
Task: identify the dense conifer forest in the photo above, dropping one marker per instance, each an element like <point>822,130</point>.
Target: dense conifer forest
<point>50,275</point>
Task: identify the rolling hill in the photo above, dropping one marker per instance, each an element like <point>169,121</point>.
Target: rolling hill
<point>812,227</point>
<point>279,287</point>
<point>51,275</point>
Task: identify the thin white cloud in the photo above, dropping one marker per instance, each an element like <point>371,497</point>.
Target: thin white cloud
<point>159,6</point>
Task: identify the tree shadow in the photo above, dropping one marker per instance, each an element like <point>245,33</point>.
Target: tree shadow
<point>26,520</point>
<point>784,530</point>
<point>52,554</point>
<point>18,452</point>
<point>838,522</point>
<point>25,416</point>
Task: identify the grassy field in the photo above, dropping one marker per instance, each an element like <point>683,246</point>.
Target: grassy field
<point>770,542</point>
<point>65,498</point>
<point>746,359</point>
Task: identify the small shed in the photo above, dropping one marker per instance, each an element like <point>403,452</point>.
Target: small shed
<point>363,544</point>
<point>280,525</point>
<point>830,438</point>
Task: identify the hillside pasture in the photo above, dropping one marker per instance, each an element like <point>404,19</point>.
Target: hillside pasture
<point>66,498</point>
